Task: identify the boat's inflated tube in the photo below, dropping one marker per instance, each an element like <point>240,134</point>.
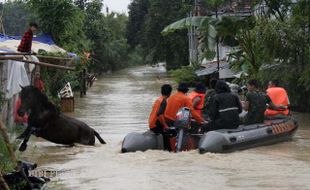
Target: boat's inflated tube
<point>228,140</point>
<point>142,142</point>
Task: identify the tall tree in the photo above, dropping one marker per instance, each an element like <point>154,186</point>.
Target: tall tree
<point>81,3</point>
<point>172,49</point>
<point>15,17</point>
<point>138,9</point>
<point>61,19</point>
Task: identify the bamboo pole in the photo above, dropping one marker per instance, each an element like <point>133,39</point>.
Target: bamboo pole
<point>16,53</point>
<point>56,58</point>
<point>38,63</point>
<point>12,154</point>
<point>19,57</point>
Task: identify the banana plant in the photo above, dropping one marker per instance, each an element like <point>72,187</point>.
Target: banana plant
<point>230,30</point>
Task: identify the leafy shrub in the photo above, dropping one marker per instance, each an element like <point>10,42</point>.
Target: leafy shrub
<point>186,74</point>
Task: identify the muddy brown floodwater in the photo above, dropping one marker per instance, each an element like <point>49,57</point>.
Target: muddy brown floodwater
<point>120,103</point>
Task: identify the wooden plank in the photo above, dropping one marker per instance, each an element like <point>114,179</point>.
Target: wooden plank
<point>39,63</point>
<point>67,104</point>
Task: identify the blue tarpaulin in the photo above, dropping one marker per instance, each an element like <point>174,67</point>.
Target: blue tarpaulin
<point>45,39</point>
<point>5,38</point>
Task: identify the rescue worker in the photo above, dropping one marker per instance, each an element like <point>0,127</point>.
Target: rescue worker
<point>197,97</point>
<point>157,122</point>
<point>224,108</point>
<point>178,101</point>
<point>279,97</point>
<point>256,104</point>
<point>209,94</point>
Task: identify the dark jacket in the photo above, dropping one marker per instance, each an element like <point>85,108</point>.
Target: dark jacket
<point>224,108</point>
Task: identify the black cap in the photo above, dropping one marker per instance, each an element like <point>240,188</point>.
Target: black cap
<point>182,87</point>
<point>200,88</point>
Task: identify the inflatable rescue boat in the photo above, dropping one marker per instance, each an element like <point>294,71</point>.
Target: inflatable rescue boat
<point>272,131</point>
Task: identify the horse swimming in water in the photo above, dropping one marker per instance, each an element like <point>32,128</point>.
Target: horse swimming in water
<point>47,122</point>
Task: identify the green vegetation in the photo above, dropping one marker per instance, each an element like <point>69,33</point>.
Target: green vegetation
<point>146,21</point>
<point>78,26</point>
<point>275,45</point>
<point>5,163</point>
<point>186,74</point>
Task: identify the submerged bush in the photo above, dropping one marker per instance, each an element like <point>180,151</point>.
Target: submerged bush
<point>186,74</point>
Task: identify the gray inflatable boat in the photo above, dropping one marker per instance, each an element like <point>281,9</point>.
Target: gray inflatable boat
<point>229,140</point>
<point>142,141</point>
<point>218,141</point>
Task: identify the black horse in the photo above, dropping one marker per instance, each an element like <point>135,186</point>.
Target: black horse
<point>47,122</point>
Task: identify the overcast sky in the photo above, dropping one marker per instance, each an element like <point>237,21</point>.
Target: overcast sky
<point>117,5</point>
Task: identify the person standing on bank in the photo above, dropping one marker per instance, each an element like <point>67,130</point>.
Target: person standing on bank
<point>26,41</point>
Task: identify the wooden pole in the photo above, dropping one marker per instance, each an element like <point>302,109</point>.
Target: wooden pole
<point>81,85</point>
<point>84,82</point>
<point>12,154</point>
<point>38,63</point>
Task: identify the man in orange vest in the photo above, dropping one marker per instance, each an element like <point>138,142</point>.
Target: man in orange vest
<point>178,101</point>
<point>197,97</point>
<point>157,122</point>
<point>279,97</point>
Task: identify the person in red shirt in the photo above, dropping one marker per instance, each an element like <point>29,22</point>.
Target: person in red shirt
<point>38,82</point>
<point>26,41</point>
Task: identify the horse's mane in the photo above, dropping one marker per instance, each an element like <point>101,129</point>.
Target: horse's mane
<point>43,99</point>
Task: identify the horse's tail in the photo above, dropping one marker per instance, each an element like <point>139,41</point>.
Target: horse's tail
<point>99,138</point>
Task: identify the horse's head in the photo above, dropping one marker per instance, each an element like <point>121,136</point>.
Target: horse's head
<point>30,98</point>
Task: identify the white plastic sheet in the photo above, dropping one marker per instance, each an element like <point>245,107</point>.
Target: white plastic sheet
<point>17,76</point>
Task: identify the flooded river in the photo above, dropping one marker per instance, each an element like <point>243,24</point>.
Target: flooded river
<point>120,103</point>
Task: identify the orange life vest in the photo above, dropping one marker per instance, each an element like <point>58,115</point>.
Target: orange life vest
<point>279,97</point>
<point>200,105</point>
<point>176,102</point>
<point>153,116</point>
